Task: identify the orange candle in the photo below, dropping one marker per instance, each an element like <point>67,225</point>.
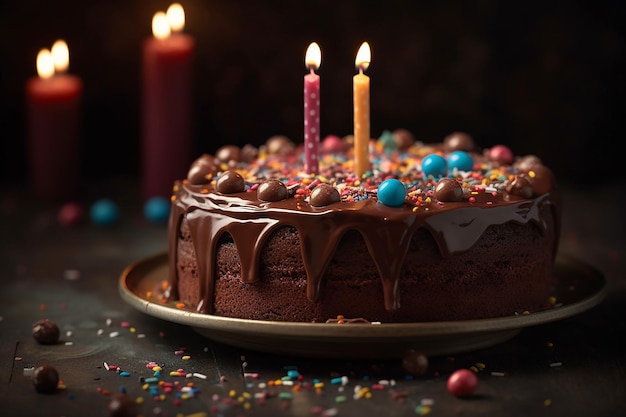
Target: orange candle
<point>166,146</point>
<point>53,105</point>
<point>361,87</point>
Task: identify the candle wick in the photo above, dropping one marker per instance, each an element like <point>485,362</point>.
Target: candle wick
<point>312,69</point>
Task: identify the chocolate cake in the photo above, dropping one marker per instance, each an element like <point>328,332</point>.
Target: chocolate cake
<point>432,232</point>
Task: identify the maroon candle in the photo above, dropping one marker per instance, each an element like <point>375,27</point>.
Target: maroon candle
<point>166,146</point>
<point>313,60</point>
<point>53,107</point>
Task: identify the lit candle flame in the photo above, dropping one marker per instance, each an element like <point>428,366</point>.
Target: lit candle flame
<point>160,26</point>
<point>176,17</point>
<point>363,57</point>
<point>45,64</point>
<point>313,57</point>
<point>60,56</point>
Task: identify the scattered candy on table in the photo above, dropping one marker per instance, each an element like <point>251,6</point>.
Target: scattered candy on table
<point>104,212</point>
<point>157,210</point>
<point>462,383</point>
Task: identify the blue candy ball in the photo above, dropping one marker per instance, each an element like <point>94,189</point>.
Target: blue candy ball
<point>460,160</point>
<point>391,192</point>
<point>157,210</point>
<point>104,212</point>
<point>434,165</point>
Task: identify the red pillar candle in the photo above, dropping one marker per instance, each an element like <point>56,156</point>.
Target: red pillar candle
<point>166,145</point>
<point>313,59</point>
<point>53,130</point>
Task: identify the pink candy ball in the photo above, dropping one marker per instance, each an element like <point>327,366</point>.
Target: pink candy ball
<point>462,383</point>
<point>70,214</point>
<point>502,154</point>
<point>332,144</point>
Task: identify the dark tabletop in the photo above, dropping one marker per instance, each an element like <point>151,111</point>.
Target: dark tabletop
<point>572,366</point>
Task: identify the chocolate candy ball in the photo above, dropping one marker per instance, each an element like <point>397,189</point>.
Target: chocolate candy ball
<point>520,186</point>
<point>462,383</point>
<point>228,153</point>
<point>323,195</point>
<point>458,141</point>
<point>525,163</point>
<point>392,192</point>
<point>123,406</point>
<point>46,332</point>
<point>415,363</point>
<point>46,379</point>
<point>230,182</point>
<point>272,190</point>
<point>404,138</point>
<point>202,170</point>
<point>279,145</point>
<point>448,190</point>
<point>435,165</point>
<point>249,153</point>
<point>541,178</point>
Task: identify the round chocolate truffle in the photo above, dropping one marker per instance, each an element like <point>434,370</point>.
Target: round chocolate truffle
<point>520,186</point>
<point>415,363</point>
<point>230,182</point>
<point>46,379</point>
<point>404,138</point>
<point>228,153</point>
<point>448,190</point>
<point>541,178</point>
<point>272,190</point>
<point>249,153</point>
<point>279,145</point>
<point>46,332</point>
<point>525,163</point>
<point>323,195</point>
<point>202,170</point>
<point>458,141</point>
<point>123,406</point>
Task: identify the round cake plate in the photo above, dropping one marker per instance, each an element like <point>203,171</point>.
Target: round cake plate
<point>580,288</point>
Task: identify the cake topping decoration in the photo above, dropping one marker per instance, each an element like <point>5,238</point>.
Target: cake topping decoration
<point>228,153</point>
<point>435,165</point>
<point>272,190</point>
<point>448,189</point>
<point>520,186</point>
<point>501,154</point>
<point>392,192</point>
<point>230,182</point>
<point>323,195</point>
<point>202,170</point>
<point>458,141</point>
<point>460,160</point>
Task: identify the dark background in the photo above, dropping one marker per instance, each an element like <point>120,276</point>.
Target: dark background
<point>543,77</point>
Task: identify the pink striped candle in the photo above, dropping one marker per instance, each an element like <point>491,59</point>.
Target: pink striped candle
<point>313,60</point>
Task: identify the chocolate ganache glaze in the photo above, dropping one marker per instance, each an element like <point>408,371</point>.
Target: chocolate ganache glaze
<point>249,201</point>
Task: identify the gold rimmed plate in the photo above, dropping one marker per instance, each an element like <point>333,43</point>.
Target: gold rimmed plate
<point>580,288</point>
